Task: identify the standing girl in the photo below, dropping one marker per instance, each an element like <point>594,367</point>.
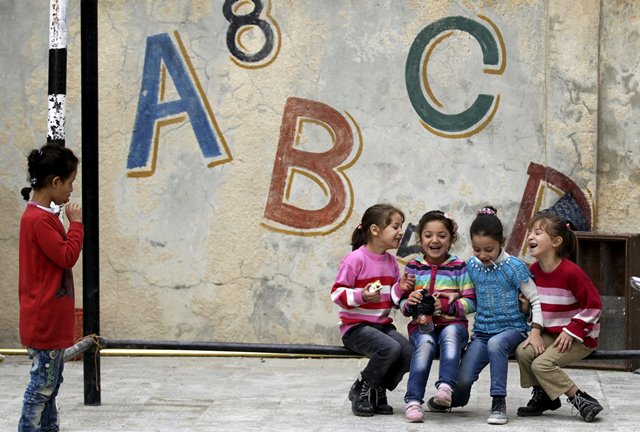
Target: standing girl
<point>367,286</point>
<point>47,254</point>
<point>499,324</point>
<point>445,278</point>
<point>571,308</point>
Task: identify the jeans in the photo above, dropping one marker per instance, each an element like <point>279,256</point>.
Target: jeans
<point>39,411</point>
<point>491,349</point>
<point>449,340</point>
<point>389,353</point>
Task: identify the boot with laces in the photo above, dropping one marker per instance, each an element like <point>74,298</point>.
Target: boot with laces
<point>378,398</point>
<point>539,403</point>
<point>498,413</point>
<point>359,397</point>
<point>587,406</point>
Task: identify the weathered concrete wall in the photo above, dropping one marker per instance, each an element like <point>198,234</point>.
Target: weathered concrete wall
<point>234,166</point>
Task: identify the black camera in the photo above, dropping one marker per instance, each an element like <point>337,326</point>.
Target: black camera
<point>426,305</point>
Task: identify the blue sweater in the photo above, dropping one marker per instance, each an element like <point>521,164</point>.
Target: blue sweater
<point>497,288</point>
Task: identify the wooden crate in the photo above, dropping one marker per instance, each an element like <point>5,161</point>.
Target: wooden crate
<point>610,260</point>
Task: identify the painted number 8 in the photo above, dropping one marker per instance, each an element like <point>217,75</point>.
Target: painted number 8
<point>250,19</point>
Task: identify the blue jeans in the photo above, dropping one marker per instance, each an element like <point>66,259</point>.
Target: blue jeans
<point>39,411</point>
<point>449,340</point>
<point>389,353</point>
<point>491,349</point>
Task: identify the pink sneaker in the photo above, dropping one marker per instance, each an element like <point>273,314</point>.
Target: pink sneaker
<point>443,396</point>
<point>413,412</point>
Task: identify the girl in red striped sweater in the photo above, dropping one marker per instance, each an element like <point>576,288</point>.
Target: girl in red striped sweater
<point>571,308</point>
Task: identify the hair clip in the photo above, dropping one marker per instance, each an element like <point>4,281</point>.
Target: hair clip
<point>569,226</point>
<point>33,181</point>
<point>359,226</point>
<point>448,216</point>
<point>486,211</point>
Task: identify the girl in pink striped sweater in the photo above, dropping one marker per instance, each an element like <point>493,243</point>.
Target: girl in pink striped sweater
<point>571,308</point>
<point>367,287</point>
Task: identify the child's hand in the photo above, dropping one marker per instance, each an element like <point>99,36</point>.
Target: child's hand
<point>536,342</point>
<point>73,212</point>
<point>407,282</point>
<point>414,298</point>
<point>525,306</point>
<point>563,342</point>
<point>370,297</point>
<point>451,296</point>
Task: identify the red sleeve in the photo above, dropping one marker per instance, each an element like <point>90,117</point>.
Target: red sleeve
<point>63,250</point>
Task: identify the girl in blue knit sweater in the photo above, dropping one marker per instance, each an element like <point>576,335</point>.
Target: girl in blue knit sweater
<point>499,325</point>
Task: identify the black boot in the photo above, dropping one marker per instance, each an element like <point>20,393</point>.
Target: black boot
<point>359,397</point>
<point>539,403</point>
<point>586,405</point>
<point>378,399</point>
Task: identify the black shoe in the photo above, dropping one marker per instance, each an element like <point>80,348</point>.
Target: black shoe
<point>498,412</point>
<point>539,403</point>
<point>359,397</point>
<point>434,407</point>
<point>587,406</point>
<point>378,398</point>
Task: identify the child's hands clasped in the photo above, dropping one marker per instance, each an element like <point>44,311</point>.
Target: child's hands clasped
<point>73,212</point>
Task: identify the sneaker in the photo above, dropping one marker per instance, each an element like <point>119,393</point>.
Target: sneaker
<point>378,398</point>
<point>539,403</point>
<point>359,397</point>
<point>587,406</point>
<point>413,413</point>
<point>443,395</point>
<point>498,413</point>
<point>434,407</point>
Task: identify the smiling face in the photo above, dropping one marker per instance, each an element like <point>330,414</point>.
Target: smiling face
<point>486,249</point>
<point>435,240</point>
<point>391,235</point>
<point>540,243</point>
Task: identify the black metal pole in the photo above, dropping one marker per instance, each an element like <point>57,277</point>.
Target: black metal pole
<point>90,207</point>
<point>301,349</point>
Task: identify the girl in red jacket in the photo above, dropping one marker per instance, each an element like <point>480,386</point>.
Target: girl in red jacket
<point>46,255</point>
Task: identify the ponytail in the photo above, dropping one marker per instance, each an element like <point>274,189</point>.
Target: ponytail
<point>45,164</point>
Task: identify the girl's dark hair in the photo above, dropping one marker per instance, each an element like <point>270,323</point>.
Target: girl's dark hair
<point>487,224</point>
<point>380,215</point>
<point>438,215</point>
<point>47,163</point>
<point>557,227</point>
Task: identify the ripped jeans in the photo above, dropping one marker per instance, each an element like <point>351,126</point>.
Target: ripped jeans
<point>39,411</point>
<point>450,341</point>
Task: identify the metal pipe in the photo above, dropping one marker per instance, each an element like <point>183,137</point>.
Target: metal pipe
<point>228,346</point>
<point>90,193</point>
<point>57,71</point>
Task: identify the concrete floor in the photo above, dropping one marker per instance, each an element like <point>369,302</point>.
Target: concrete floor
<point>141,394</point>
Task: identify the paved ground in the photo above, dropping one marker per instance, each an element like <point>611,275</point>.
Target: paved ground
<point>141,394</point>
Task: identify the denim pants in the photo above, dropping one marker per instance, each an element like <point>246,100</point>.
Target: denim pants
<point>39,411</point>
<point>449,340</point>
<point>388,351</point>
<point>491,349</point>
